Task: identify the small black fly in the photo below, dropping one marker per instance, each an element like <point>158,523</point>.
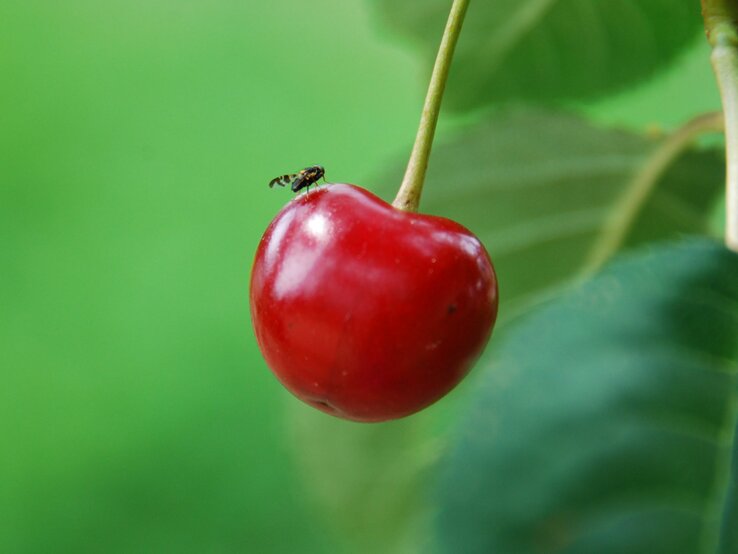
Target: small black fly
<point>303,179</point>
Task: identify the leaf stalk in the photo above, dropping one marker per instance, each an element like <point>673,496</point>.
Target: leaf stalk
<point>641,186</point>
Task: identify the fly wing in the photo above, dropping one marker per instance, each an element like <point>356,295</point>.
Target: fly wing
<point>300,182</point>
<point>282,180</point>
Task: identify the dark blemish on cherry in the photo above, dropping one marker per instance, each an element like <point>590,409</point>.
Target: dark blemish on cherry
<point>322,404</point>
<point>451,308</point>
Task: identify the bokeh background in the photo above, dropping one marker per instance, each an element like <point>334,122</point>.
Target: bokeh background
<point>136,141</point>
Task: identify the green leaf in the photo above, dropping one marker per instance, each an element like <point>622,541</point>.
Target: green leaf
<point>606,423</point>
<point>543,191</point>
<point>544,50</point>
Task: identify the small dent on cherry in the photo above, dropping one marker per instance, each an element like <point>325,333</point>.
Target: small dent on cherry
<point>323,405</point>
<point>451,309</point>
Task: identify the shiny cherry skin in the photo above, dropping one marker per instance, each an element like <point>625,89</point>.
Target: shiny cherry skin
<point>367,312</point>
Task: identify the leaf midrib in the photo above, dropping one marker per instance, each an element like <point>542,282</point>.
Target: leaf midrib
<point>713,526</point>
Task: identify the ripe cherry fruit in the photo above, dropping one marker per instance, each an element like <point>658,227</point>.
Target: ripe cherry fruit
<point>365,311</point>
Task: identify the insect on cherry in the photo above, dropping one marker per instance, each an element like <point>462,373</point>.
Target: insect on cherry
<point>304,178</point>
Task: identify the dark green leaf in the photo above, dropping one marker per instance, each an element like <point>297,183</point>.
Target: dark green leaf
<point>541,190</point>
<point>606,422</point>
<point>548,49</point>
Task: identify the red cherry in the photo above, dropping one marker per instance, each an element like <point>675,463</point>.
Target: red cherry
<point>365,311</point>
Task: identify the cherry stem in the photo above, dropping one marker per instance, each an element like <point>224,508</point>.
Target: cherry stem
<point>721,26</point>
<point>408,197</point>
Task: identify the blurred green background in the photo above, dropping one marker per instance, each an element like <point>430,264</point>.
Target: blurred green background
<point>136,141</point>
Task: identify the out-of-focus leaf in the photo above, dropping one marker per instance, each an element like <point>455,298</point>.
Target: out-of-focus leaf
<point>540,189</point>
<point>606,422</point>
<point>368,480</point>
<point>544,50</point>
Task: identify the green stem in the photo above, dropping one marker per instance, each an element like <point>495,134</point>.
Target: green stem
<point>408,197</point>
<point>721,26</point>
<point>641,186</point>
